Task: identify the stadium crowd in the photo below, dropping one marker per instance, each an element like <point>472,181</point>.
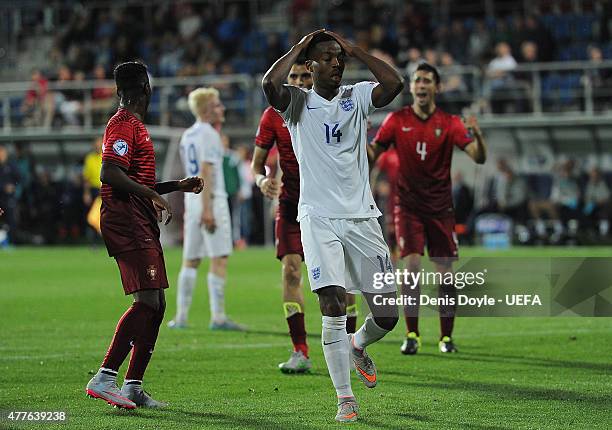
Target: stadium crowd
<point>198,39</point>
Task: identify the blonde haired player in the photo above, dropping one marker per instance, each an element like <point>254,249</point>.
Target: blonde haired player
<point>207,226</point>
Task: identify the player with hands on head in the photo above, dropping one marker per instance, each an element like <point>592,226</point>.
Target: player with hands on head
<point>342,241</point>
<point>424,137</point>
<point>273,130</point>
<point>132,206</point>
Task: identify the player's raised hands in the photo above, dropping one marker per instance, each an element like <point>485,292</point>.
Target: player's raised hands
<point>162,205</point>
<point>471,123</point>
<point>193,184</point>
<point>270,188</point>
<point>346,46</point>
<point>303,43</point>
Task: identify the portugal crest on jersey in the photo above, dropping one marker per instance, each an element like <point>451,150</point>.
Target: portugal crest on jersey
<point>152,272</point>
<point>438,132</point>
<point>347,104</point>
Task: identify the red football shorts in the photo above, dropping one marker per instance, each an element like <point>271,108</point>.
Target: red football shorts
<point>142,269</point>
<point>414,231</point>
<point>288,236</point>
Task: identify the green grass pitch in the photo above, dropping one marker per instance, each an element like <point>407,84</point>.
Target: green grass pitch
<point>59,307</point>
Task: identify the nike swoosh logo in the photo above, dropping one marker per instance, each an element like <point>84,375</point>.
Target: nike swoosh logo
<point>406,128</point>
<point>313,108</point>
<point>331,343</point>
<point>370,378</point>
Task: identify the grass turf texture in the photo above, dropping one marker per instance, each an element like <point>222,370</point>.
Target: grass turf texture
<point>60,307</point>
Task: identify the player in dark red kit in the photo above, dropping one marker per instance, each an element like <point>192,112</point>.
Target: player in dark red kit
<point>388,164</point>
<point>272,129</point>
<point>424,138</point>
<point>131,208</point>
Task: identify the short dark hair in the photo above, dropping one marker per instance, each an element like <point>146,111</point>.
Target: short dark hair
<point>426,67</point>
<point>316,39</point>
<point>131,77</point>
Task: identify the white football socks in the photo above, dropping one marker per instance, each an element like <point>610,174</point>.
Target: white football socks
<point>186,284</point>
<point>216,295</point>
<point>336,352</point>
<point>368,333</point>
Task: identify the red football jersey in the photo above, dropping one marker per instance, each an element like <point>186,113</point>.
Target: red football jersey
<point>425,150</point>
<point>128,221</point>
<point>272,129</point>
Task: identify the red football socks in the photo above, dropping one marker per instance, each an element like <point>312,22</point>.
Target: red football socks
<point>130,327</point>
<point>297,331</point>
<point>351,324</point>
<point>143,348</point>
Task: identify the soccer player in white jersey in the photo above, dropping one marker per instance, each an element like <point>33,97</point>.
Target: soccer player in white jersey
<point>343,243</point>
<point>207,226</point>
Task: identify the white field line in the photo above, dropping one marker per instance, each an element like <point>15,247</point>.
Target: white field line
<point>35,354</point>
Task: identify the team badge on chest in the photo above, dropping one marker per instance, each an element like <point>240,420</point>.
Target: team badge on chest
<point>438,132</point>
<point>347,105</point>
<point>152,272</point>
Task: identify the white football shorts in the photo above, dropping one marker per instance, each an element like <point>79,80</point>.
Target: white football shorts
<point>199,242</point>
<point>349,253</point>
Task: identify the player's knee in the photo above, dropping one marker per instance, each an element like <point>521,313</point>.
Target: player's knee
<point>332,301</point>
<point>292,276</point>
<point>193,264</point>
<point>386,323</point>
<point>218,265</point>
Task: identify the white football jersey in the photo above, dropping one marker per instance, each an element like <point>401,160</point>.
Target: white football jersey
<point>201,143</point>
<point>329,138</point>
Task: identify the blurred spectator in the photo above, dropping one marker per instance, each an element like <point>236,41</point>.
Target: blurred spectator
<point>189,23</point>
<point>38,106</point>
<point>414,59</point>
<point>463,199</point>
<point>511,194</point>
<point>597,206</point>
<point>431,56</point>
<point>26,166</point>
<point>92,184</point>
<point>600,79</point>
<point>538,34</point>
<point>457,42</point>
<point>478,43</point>
<point>9,179</point>
<point>525,79</point>
<point>529,52</point>
<point>231,174</point>
<point>455,94</point>
<point>565,195</point>
<point>102,96</point>
<point>47,209</point>
<point>245,194</point>
<point>500,85</point>
<point>68,101</point>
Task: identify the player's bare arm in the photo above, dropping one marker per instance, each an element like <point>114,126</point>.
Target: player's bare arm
<point>477,149</point>
<point>208,217</point>
<point>270,187</point>
<point>114,175</point>
<point>193,184</point>
<point>375,150</point>
<point>273,81</point>
<point>390,81</point>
